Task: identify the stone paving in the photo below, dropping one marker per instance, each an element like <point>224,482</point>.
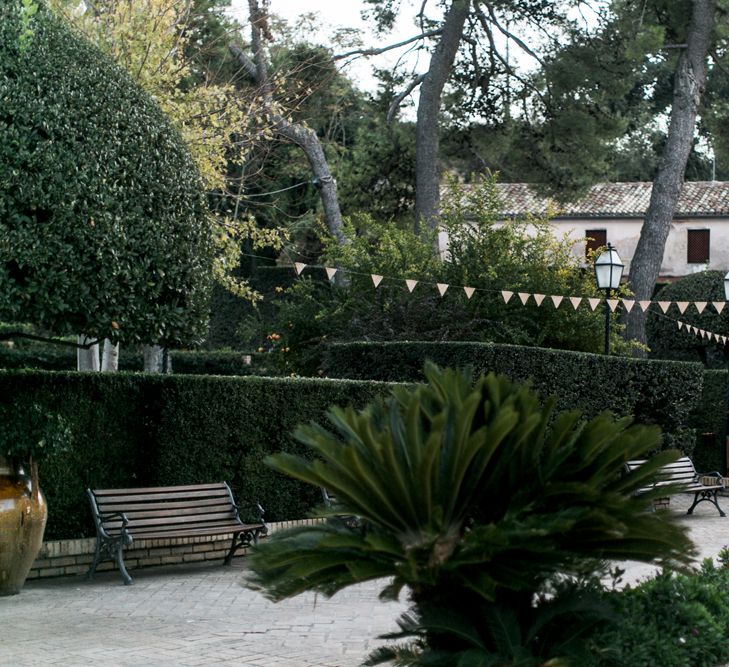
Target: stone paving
<point>203,615</point>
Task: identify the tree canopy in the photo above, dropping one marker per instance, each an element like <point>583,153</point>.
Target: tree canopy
<point>103,222</point>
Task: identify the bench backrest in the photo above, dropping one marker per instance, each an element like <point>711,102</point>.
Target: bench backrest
<point>153,509</point>
<point>681,471</point>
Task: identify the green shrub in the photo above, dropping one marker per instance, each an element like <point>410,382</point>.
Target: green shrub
<point>104,228</point>
<point>139,430</point>
<point>672,620</point>
<point>664,338</point>
<point>708,419</point>
<point>469,499</point>
<point>653,392</point>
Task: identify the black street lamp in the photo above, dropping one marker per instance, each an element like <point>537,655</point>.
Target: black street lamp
<point>608,272</point>
<point>726,407</point>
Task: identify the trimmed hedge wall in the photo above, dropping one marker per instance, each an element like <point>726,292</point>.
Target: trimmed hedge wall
<point>56,358</point>
<point>137,430</point>
<point>654,392</point>
<point>709,420</point>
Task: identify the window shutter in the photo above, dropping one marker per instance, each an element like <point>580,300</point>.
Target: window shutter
<point>697,246</point>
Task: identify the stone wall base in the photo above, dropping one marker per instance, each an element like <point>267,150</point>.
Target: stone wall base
<point>73,557</point>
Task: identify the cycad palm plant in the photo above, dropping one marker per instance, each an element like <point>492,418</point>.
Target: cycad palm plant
<point>473,495</point>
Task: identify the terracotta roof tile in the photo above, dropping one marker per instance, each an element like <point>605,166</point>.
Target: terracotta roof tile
<point>618,200</point>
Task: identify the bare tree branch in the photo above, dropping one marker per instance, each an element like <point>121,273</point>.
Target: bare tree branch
<point>401,96</point>
<point>510,35</point>
<point>246,63</point>
<point>383,49</point>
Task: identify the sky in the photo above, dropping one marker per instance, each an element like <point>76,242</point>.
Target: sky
<point>346,13</point>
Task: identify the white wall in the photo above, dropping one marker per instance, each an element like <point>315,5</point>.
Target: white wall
<point>624,234</point>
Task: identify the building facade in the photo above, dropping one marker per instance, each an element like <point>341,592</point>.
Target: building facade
<point>614,213</point>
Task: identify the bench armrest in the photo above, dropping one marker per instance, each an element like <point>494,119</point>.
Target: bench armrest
<point>111,515</point>
<point>255,507</point>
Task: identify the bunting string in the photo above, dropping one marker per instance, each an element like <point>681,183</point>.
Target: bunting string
<point>660,309</point>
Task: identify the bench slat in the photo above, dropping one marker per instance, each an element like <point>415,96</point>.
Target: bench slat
<point>173,520</point>
<point>171,505</point>
<point>139,498</point>
<point>158,489</point>
<point>149,513</point>
<point>172,534</point>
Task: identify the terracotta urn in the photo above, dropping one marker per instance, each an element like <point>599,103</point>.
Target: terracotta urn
<point>23,514</point>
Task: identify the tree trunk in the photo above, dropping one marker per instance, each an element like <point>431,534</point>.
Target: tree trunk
<point>688,86</point>
<point>157,359</point>
<point>110,357</point>
<point>87,359</point>
<point>427,176</point>
<point>302,136</point>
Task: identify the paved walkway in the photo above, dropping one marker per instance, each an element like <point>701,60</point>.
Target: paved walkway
<point>178,616</point>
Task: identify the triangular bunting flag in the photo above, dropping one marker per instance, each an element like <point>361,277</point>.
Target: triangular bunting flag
<point>723,339</point>
<point>299,266</point>
<point>680,325</point>
<point>411,284</point>
<point>613,303</point>
<point>524,298</point>
<point>700,305</point>
<point>330,272</point>
<point>376,279</point>
<point>644,305</point>
<point>539,298</point>
<point>719,305</point>
<point>506,295</point>
<point>593,303</point>
<point>556,300</point>
<point>442,288</point>
<point>665,305</point>
<point>628,304</point>
<point>469,291</point>
<point>575,301</point>
<point>682,305</point>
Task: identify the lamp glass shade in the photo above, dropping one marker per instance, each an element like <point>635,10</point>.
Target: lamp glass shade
<point>726,286</point>
<point>609,269</point>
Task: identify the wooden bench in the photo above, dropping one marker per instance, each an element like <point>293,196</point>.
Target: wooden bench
<point>124,515</point>
<point>683,472</point>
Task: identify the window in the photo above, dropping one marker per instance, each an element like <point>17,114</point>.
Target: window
<point>596,238</point>
<point>697,246</point>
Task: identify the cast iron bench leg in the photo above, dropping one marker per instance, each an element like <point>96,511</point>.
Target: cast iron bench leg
<point>706,495</point>
<point>95,562</point>
<point>120,563</point>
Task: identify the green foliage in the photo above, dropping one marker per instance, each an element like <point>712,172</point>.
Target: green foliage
<point>672,620</point>
<point>708,418</point>
<point>103,224</point>
<point>161,430</point>
<point>469,497</point>
<point>487,255</point>
<point>667,342</point>
<point>31,432</point>
<point>653,392</point>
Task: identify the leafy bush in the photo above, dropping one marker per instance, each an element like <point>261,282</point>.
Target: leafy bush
<point>103,223</point>
<point>653,392</point>
<point>664,338</point>
<point>708,418</point>
<point>520,256</point>
<point>465,495</point>
<point>671,620</point>
<point>143,430</point>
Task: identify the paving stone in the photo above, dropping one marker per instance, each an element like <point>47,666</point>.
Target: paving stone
<point>201,615</point>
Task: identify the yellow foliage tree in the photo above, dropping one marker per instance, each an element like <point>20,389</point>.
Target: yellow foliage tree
<point>150,39</point>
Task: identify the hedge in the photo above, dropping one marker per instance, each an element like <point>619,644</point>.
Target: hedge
<point>56,358</point>
<point>138,430</point>
<point>654,392</point>
<point>709,420</point>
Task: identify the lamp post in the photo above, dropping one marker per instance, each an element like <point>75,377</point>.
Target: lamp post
<point>608,272</point>
<point>726,406</point>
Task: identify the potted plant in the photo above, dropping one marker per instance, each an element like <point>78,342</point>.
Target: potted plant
<point>28,433</point>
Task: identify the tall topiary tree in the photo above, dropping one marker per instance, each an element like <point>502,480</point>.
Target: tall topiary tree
<point>103,222</point>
